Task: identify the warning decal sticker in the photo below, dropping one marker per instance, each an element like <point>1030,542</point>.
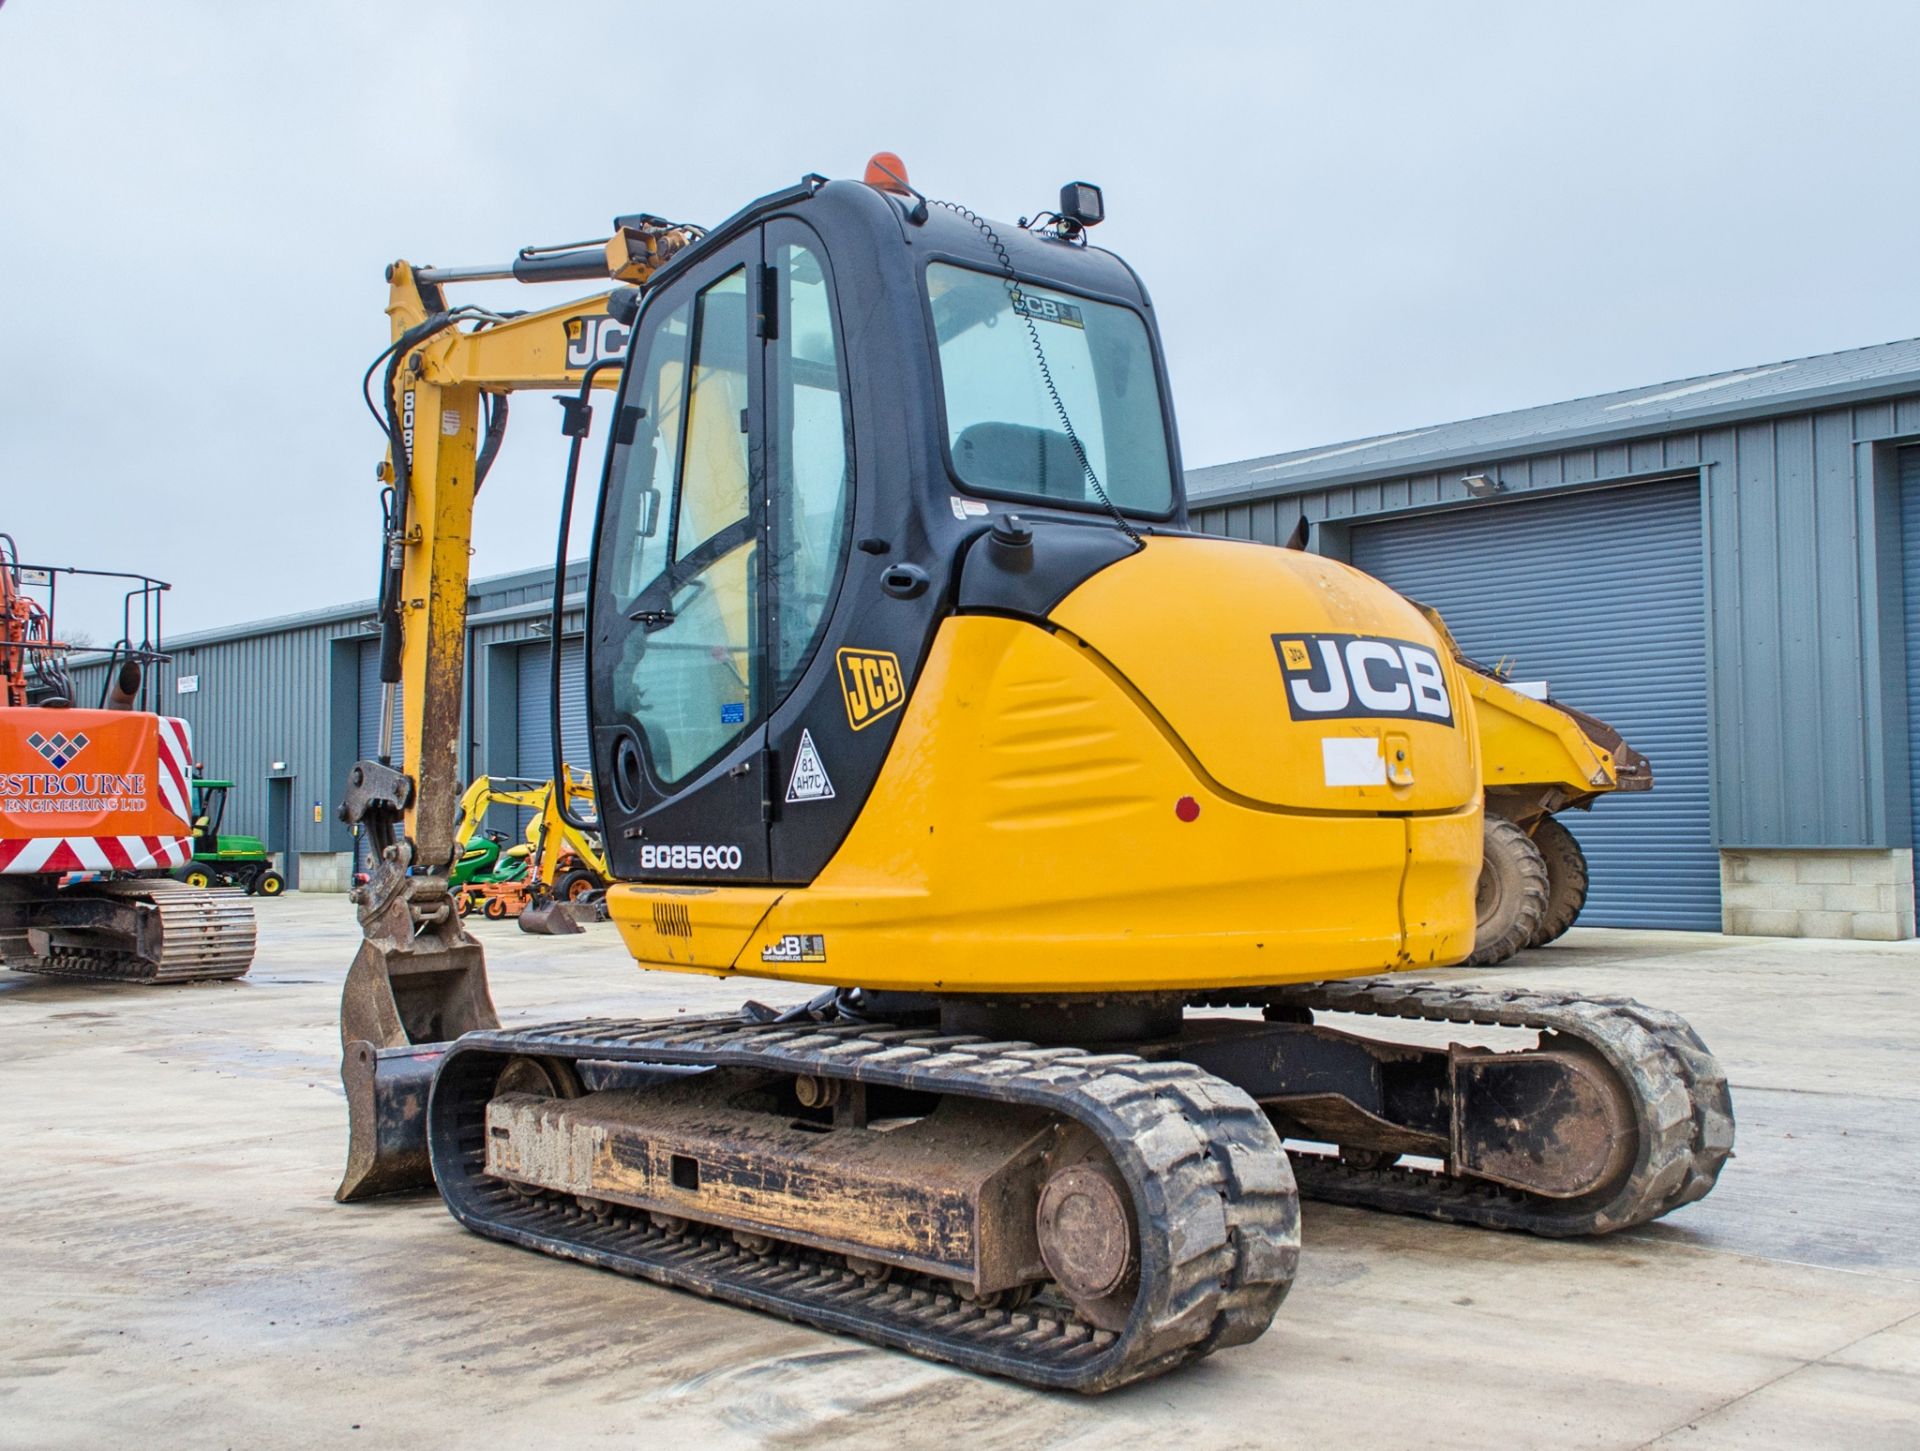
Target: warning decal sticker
<point>809,780</point>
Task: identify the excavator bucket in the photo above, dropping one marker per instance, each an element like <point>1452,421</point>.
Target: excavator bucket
<point>550,917</point>
<point>417,983</point>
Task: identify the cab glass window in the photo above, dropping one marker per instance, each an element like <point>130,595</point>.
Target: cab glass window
<point>809,487</point>
<point>682,567</point>
<point>1004,430</point>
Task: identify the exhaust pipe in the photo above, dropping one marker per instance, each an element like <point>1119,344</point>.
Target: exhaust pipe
<point>123,692</point>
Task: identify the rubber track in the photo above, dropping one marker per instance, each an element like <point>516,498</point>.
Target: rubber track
<point>1218,1209</point>
<point>204,934</point>
<point>1677,1087</point>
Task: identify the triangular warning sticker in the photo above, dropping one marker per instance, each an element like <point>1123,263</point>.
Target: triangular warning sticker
<point>809,781</point>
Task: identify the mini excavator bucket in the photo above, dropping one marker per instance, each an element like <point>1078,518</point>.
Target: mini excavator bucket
<point>418,982</point>
<point>550,917</point>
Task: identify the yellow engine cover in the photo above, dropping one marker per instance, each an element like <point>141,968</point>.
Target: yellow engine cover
<point>1132,801</point>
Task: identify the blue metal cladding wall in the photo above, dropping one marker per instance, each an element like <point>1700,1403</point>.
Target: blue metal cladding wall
<point>1602,595</point>
<point>1910,574</point>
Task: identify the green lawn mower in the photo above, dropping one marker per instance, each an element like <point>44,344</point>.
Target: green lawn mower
<point>226,860</point>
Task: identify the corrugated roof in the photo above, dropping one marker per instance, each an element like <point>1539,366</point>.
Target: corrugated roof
<point>1826,379</point>
<point>477,592</point>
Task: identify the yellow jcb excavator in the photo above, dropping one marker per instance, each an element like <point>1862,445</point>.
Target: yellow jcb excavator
<point>907,679</point>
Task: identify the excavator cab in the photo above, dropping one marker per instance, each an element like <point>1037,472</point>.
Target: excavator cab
<point>823,409</point>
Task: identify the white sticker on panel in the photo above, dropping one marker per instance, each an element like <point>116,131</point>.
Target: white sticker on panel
<point>1353,761</point>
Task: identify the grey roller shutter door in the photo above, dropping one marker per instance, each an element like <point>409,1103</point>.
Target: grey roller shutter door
<point>1910,575</point>
<point>1602,595</point>
<point>534,757</point>
<point>369,733</point>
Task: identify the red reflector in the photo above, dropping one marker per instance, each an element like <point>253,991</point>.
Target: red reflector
<point>1186,808</point>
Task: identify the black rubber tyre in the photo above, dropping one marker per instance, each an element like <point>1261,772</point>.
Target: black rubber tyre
<point>573,886</point>
<point>270,883</point>
<point>1566,879</point>
<point>200,877</point>
<point>1512,894</point>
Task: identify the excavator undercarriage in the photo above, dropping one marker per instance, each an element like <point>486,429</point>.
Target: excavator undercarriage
<point>143,929</point>
<point>1072,1216</point>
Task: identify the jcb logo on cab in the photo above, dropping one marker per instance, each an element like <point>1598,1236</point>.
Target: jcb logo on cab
<point>1363,677</point>
<point>870,681</point>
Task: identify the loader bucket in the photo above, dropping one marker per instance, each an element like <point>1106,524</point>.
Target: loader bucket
<point>551,918</point>
<point>387,1092</point>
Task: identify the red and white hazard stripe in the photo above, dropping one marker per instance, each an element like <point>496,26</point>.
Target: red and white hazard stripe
<point>176,762</point>
<point>59,854</point>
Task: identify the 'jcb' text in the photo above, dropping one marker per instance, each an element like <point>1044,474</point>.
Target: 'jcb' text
<point>1334,676</point>
<point>870,681</point>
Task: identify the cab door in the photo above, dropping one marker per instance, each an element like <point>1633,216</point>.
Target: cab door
<point>678,680</point>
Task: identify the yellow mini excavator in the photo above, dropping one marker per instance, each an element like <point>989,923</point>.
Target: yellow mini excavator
<point>907,679</point>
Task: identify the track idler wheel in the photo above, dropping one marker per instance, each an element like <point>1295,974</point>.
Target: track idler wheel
<point>1089,1241</point>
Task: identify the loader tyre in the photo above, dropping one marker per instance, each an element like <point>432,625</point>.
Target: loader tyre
<point>574,886</point>
<point>1512,895</point>
<point>1566,879</point>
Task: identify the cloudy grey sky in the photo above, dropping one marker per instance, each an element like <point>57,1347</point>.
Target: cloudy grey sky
<point>1354,218</point>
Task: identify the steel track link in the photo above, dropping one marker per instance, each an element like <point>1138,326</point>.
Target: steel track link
<point>1678,1090</point>
<point>205,935</point>
<point>1219,1216</point>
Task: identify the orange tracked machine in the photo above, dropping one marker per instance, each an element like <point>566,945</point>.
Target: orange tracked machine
<point>94,809</point>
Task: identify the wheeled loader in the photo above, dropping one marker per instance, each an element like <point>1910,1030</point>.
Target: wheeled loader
<point>1538,757</point>
<point>906,679</point>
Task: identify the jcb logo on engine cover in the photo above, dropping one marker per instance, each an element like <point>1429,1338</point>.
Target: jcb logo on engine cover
<point>1363,676</point>
<point>870,680</point>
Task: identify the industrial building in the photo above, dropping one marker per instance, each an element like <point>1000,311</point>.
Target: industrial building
<point>284,707</point>
<point>1726,568</point>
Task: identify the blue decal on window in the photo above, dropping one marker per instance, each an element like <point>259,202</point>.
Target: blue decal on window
<point>735,714</point>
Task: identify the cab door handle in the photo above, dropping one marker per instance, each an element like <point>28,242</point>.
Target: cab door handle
<point>904,581</point>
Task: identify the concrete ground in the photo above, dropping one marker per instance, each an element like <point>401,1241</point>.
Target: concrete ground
<point>175,1273</point>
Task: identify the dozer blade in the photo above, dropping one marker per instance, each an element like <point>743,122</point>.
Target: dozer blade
<point>387,1119</point>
